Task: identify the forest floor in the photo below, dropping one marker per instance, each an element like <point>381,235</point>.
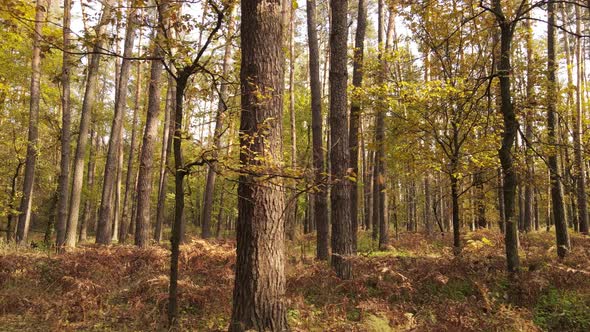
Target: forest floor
<point>418,285</point>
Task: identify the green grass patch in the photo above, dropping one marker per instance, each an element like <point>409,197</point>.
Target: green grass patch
<point>562,311</point>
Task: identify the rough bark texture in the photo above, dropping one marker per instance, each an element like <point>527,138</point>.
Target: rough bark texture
<point>342,246</point>
<point>355,114</point>
<point>103,229</point>
<point>24,218</point>
<point>528,191</point>
<point>87,105</point>
<point>146,156</point>
<point>64,173</point>
<point>563,244</point>
<point>259,288</point>
<point>320,208</point>
<point>508,137</point>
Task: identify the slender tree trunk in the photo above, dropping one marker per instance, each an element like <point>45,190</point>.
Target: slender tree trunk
<point>24,218</point>
<point>88,210</point>
<point>563,244</point>
<point>529,115</point>
<point>259,288</point>
<point>320,208</point>
<point>355,114</point>
<point>179,173</point>
<point>144,179</point>
<point>103,231</point>
<point>165,159</point>
<point>86,114</point>
<point>123,230</point>
<point>293,196</point>
<point>12,217</point>
<point>508,138</point>
<point>64,174</point>
<point>221,114</point>
<point>578,147</point>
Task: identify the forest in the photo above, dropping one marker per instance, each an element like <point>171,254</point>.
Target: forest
<point>290,165</point>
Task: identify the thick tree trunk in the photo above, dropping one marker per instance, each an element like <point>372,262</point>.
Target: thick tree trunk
<point>103,229</point>
<point>342,246</point>
<point>221,108</point>
<point>146,156</point>
<point>64,173</point>
<point>355,114</point>
<point>259,288</point>
<point>563,244</point>
<point>86,114</point>
<point>24,219</point>
<point>320,208</point>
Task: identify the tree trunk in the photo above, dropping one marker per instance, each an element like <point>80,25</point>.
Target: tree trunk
<point>562,237</point>
<point>259,288</point>
<point>221,108</point>
<point>146,156</point>
<point>129,178</point>
<point>342,246</point>
<point>64,174</point>
<point>320,208</point>
<point>88,210</point>
<point>355,114</point>
<point>529,115</point>
<point>165,159</point>
<point>86,114</point>
<point>578,147</point>
<point>508,137</point>
<point>24,218</point>
<point>103,231</point>
<point>12,218</point>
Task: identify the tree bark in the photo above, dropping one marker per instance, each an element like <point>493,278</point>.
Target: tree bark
<point>64,174</point>
<point>165,159</point>
<point>342,246</point>
<point>88,210</point>
<point>355,114</point>
<point>320,208</point>
<point>578,146</point>
<point>129,178</point>
<point>562,238</point>
<point>508,137</point>
<point>24,218</point>
<point>259,288</point>
<point>146,156</point>
<point>86,114</point>
<point>103,229</point>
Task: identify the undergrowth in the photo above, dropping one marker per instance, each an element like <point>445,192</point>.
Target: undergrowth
<point>417,285</point>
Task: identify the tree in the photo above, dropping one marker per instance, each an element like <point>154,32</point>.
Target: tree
<point>509,133</point>
<point>144,178</point>
<point>320,208</point>
<point>563,243</point>
<point>85,118</point>
<point>64,174</point>
<point>24,218</point>
<point>103,227</point>
<point>342,245</point>
<point>221,114</point>
<point>259,287</point>
<point>355,114</point>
